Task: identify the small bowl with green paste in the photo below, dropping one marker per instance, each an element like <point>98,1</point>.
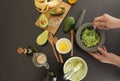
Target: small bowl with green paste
<point>89,39</point>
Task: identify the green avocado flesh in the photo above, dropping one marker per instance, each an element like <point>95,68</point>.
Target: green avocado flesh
<point>90,38</point>
<point>68,23</point>
<point>42,38</point>
<point>43,21</point>
<point>57,11</point>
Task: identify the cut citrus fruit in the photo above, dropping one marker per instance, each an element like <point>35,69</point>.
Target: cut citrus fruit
<point>72,1</point>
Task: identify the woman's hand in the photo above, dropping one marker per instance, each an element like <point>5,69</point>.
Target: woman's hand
<point>106,22</point>
<point>104,56</point>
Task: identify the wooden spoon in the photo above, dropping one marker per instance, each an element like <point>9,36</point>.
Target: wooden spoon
<point>60,56</point>
<point>50,40</point>
<point>72,37</point>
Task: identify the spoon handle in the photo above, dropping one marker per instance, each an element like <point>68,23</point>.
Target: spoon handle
<point>72,37</point>
<point>72,45</point>
<point>61,59</point>
<point>55,53</point>
<point>68,75</point>
<point>60,56</point>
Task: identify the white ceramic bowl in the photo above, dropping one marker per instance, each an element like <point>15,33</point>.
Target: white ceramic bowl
<point>71,63</point>
<point>63,46</point>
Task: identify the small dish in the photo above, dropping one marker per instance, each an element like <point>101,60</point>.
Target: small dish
<point>63,46</point>
<point>79,74</point>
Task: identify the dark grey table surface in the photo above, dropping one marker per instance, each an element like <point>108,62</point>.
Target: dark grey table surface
<point>17,18</point>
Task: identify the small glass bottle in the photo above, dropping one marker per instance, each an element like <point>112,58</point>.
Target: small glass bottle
<point>28,50</point>
<point>51,75</point>
<point>39,60</point>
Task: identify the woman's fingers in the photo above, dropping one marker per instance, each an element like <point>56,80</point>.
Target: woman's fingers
<point>102,18</point>
<point>98,19</point>
<point>103,51</point>
<point>100,24</point>
<point>98,56</point>
<point>95,55</point>
<point>104,48</point>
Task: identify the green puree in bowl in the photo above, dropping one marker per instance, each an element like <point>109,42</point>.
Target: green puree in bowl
<point>79,74</point>
<point>90,38</point>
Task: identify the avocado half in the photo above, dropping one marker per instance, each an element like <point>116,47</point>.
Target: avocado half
<point>43,21</point>
<point>42,38</point>
<point>57,11</point>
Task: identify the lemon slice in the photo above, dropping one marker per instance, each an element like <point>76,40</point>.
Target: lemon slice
<point>54,3</point>
<point>72,1</point>
<point>41,5</point>
<point>41,1</point>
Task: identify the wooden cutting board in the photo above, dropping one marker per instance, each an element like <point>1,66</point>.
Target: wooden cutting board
<point>53,29</point>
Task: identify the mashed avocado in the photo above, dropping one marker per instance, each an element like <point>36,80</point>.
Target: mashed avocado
<point>90,38</point>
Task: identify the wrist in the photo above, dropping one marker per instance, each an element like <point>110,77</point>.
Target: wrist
<point>116,60</point>
<point>118,23</point>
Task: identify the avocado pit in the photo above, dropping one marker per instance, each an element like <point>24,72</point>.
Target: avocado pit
<point>43,21</point>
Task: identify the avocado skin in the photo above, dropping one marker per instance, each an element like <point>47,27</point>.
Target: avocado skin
<point>54,13</point>
<point>43,16</point>
<point>69,22</point>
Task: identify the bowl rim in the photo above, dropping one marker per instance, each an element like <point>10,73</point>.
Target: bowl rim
<point>86,66</point>
<point>80,43</point>
<point>68,41</point>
